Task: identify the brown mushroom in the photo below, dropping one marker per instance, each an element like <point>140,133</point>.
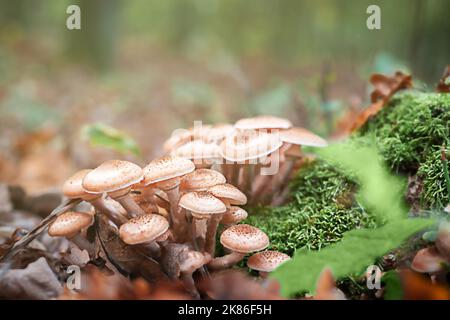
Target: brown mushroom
<point>73,189</point>
<point>203,154</point>
<point>240,239</point>
<point>166,173</point>
<point>144,229</point>
<point>69,225</point>
<point>115,177</point>
<point>201,180</point>
<point>203,206</point>
<point>266,261</point>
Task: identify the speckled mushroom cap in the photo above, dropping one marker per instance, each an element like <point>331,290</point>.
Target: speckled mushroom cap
<point>166,168</point>
<point>202,203</point>
<point>267,261</point>
<point>248,145</point>
<point>229,193</point>
<point>179,137</point>
<point>70,223</point>
<point>234,215</point>
<point>112,175</point>
<point>73,188</point>
<point>201,180</point>
<point>301,136</point>
<point>263,122</point>
<point>217,133</point>
<point>197,150</point>
<point>143,228</point>
<point>244,238</point>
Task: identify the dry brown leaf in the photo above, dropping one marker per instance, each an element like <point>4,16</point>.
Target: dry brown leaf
<point>385,88</point>
<point>96,285</point>
<point>444,83</point>
<point>237,285</point>
<point>418,287</point>
<point>326,287</point>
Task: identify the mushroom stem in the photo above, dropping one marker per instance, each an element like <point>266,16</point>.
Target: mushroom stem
<point>101,206</point>
<point>189,284</point>
<point>154,248</point>
<point>285,171</point>
<point>198,233</point>
<point>211,231</point>
<point>175,216</point>
<point>128,204</point>
<point>83,243</point>
<point>226,261</point>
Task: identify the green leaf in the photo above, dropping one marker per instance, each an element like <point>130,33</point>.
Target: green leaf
<point>380,192</point>
<point>100,134</point>
<point>393,289</point>
<point>357,250</point>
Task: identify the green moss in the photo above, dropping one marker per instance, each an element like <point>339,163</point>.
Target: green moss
<point>409,133</point>
<point>323,208</point>
<point>434,194</point>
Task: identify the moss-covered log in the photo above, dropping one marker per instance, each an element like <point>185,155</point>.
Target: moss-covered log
<point>409,133</point>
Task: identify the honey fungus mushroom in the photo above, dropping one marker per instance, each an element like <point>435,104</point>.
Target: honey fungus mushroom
<point>115,177</point>
<point>73,189</point>
<point>69,225</point>
<point>145,229</point>
<point>240,239</point>
<point>266,261</point>
<point>203,206</point>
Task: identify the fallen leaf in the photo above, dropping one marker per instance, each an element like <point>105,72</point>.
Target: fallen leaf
<point>444,83</point>
<point>385,88</point>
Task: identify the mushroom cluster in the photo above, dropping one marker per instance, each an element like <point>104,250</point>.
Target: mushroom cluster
<point>257,154</point>
<point>177,206</point>
<point>172,210</point>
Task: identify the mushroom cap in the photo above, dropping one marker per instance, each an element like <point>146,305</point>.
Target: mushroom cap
<point>192,260</point>
<point>112,175</point>
<point>248,145</point>
<point>218,132</point>
<point>234,215</point>
<point>201,180</point>
<point>143,228</point>
<point>166,168</point>
<point>197,149</point>
<point>178,137</point>
<point>229,193</point>
<point>428,260</point>
<point>294,151</point>
<point>263,122</point>
<point>202,203</point>
<point>301,136</point>
<point>267,261</point>
<point>72,187</point>
<point>70,223</point>
<point>244,238</point>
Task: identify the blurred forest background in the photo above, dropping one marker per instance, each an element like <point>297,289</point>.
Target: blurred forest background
<point>147,67</point>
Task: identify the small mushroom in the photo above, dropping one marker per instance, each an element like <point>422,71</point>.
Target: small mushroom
<point>245,148</point>
<point>69,225</point>
<point>229,194</point>
<point>428,260</point>
<point>201,180</point>
<point>115,177</point>
<point>203,206</point>
<point>144,229</point>
<point>240,239</point>
<point>73,189</point>
<point>203,154</point>
<point>190,261</point>
<point>266,261</point>
<point>263,122</point>
<point>166,173</point>
<point>233,216</point>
